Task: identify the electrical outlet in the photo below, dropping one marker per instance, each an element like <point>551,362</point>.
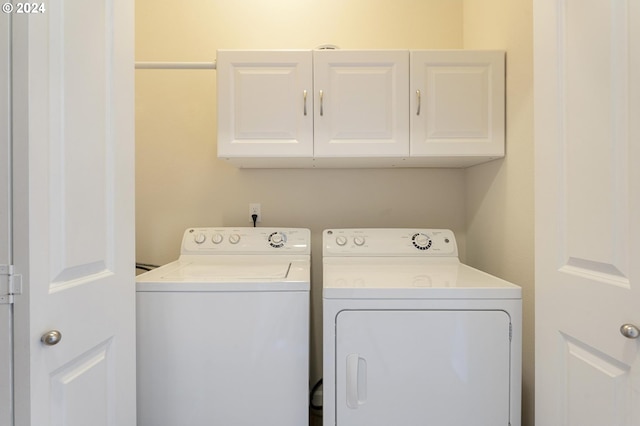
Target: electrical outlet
<point>254,208</point>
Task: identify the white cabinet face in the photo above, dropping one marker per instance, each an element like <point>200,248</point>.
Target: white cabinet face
<point>396,367</point>
<point>458,103</point>
<point>357,108</point>
<point>361,103</point>
<point>265,106</point>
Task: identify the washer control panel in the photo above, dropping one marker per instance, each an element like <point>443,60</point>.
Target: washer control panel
<point>203,241</point>
<point>389,242</point>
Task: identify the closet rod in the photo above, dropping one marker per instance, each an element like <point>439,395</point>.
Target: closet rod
<point>176,65</point>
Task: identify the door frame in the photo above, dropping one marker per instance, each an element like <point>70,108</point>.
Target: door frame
<point>6,310</point>
<point>20,222</point>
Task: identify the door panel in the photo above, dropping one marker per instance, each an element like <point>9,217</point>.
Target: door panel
<point>605,377</point>
<point>90,374</point>
<point>73,80</point>
<point>595,139</point>
<point>442,367</point>
<point>80,162</point>
<point>587,62</point>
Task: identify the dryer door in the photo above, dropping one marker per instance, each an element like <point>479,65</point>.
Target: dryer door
<point>427,367</point>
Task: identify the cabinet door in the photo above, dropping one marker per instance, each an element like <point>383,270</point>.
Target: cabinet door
<point>361,103</point>
<point>422,367</point>
<point>457,105</point>
<point>264,104</point>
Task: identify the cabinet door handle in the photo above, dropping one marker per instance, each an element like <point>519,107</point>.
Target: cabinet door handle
<point>321,104</point>
<point>304,95</point>
<point>419,101</point>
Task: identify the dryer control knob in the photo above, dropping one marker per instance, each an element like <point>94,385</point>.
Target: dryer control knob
<point>217,238</point>
<point>421,241</point>
<point>341,240</point>
<point>234,238</point>
<point>200,238</point>
<point>359,241</point>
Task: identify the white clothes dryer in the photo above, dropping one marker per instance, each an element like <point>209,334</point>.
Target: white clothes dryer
<point>412,336</point>
<point>223,332</point>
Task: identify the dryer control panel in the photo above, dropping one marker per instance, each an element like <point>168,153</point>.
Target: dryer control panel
<point>227,240</point>
<point>389,242</point>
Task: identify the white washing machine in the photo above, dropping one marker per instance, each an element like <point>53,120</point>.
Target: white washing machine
<point>223,332</point>
<point>414,337</point>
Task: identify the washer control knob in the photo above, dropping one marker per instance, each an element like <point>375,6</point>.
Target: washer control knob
<point>422,240</point>
<point>359,241</point>
<point>234,238</point>
<point>341,240</point>
<point>217,238</point>
<point>277,239</point>
<point>200,238</point>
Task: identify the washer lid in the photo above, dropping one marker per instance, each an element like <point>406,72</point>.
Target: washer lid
<point>236,273</point>
<point>410,278</point>
<point>225,272</point>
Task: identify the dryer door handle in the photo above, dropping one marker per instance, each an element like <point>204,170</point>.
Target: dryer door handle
<point>356,381</point>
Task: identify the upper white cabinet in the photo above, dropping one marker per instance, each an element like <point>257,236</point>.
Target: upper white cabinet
<point>457,107</point>
<point>370,108</point>
<point>265,106</point>
<point>361,103</point>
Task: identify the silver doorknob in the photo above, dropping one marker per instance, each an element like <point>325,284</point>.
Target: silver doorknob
<point>51,338</point>
<point>629,331</point>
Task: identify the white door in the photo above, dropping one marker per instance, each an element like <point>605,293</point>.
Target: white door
<point>457,103</point>
<point>265,103</point>
<point>73,226</point>
<point>5,225</point>
<point>587,109</point>
<point>361,103</point>
<point>413,367</point>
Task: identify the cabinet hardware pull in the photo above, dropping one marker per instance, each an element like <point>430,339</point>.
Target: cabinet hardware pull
<point>304,94</point>
<point>321,104</point>
<point>418,98</point>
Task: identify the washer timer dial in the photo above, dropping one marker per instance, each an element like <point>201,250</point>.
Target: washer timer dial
<point>421,241</point>
<point>277,239</point>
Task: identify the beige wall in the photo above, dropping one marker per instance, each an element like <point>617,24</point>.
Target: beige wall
<point>499,200</point>
<point>180,183</point>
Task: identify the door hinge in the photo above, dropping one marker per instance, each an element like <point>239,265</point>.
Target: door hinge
<point>10,284</point>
